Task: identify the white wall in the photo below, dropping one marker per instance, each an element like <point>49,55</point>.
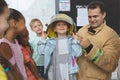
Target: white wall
<point>42,9</point>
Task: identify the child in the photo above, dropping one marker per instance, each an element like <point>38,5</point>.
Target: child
<point>37,27</point>
<point>30,67</point>
<point>61,50</point>
<point>9,47</point>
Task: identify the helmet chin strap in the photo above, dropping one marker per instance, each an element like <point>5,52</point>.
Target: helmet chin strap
<point>75,27</point>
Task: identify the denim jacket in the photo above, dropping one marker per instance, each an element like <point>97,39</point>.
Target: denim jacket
<point>46,47</point>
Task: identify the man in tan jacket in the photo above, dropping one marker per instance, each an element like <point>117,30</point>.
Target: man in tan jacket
<point>101,44</point>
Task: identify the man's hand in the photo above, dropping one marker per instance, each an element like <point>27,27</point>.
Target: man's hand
<point>84,42</point>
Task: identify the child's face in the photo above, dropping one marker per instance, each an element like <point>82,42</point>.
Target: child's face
<point>20,26</point>
<point>37,27</point>
<point>3,24</point>
<point>3,20</point>
<point>61,28</point>
<point>6,12</point>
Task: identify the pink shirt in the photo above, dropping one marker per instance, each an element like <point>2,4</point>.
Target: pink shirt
<point>11,60</point>
<point>17,57</point>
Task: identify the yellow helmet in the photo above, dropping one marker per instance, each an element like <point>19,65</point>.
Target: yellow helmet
<point>60,17</point>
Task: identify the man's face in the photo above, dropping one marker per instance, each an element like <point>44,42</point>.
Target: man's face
<point>95,17</point>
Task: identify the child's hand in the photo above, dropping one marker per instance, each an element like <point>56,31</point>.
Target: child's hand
<point>75,36</point>
<point>44,35</point>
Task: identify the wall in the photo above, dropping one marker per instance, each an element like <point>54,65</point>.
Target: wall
<point>42,9</point>
<point>112,7</point>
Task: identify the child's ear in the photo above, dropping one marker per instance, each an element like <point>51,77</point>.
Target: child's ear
<point>12,23</point>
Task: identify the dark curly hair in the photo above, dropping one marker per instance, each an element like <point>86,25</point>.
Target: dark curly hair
<point>15,14</point>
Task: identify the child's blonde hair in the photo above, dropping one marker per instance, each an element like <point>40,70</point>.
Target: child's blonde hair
<point>33,21</point>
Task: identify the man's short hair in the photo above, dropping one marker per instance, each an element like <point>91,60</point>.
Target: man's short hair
<point>97,4</point>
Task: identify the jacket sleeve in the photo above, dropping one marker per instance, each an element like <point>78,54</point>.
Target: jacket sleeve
<point>46,48</point>
<point>107,57</point>
<point>77,49</point>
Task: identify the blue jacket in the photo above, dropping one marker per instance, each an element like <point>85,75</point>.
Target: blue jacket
<point>47,47</point>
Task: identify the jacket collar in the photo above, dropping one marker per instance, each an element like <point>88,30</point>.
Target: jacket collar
<point>96,30</point>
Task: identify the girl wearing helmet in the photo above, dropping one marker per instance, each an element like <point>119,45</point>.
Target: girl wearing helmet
<point>61,49</point>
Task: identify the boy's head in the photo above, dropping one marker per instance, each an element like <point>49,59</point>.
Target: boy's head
<point>60,23</point>
<point>36,26</point>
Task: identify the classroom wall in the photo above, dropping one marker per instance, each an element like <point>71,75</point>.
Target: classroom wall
<point>41,9</point>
